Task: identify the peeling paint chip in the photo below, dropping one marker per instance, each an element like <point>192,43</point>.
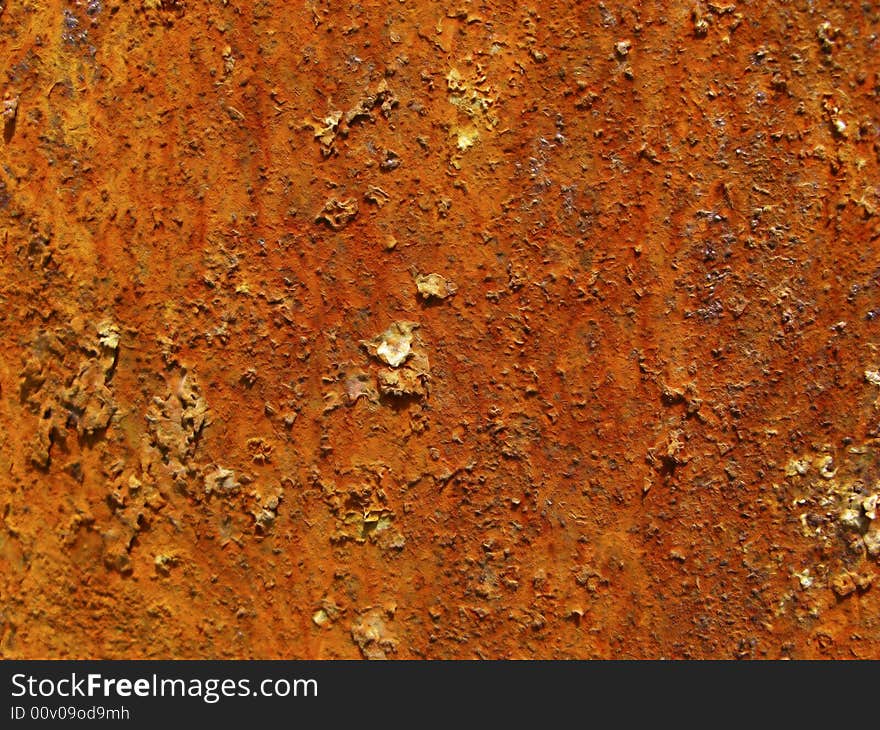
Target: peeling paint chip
<point>869,504</point>
<point>371,634</point>
<point>394,353</point>
<point>805,579</point>
<point>826,467</point>
<point>358,385</point>
<point>394,345</point>
<point>108,335</point>
<point>434,285</point>
<point>338,213</point>
<point>403,382</point>
<point>221,481</point>
<point>465,138</point>
<point>873,377</point>
<point>872,541</point>
<point>797,467</point>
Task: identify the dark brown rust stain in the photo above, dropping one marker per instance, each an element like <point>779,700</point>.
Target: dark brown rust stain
<point>639,414</point>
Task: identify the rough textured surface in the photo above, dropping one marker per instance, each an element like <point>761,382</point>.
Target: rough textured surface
<point>645,425</point>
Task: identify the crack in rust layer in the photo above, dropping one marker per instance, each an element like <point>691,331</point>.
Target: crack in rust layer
<point>433,330</point>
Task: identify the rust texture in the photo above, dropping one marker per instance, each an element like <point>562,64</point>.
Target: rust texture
<point>439,330</point>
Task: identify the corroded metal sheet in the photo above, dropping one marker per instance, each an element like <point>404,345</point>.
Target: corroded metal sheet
<point>435,330</point>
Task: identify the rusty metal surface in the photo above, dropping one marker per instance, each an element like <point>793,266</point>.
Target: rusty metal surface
<point>434,330</point>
